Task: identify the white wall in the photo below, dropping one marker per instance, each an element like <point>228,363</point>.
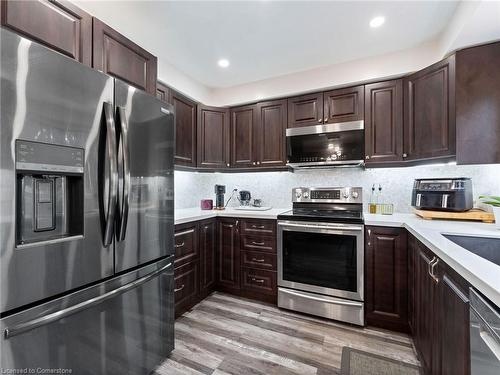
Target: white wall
<point>275,187</point>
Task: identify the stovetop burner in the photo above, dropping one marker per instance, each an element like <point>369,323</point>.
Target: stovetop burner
<point>340,205</point>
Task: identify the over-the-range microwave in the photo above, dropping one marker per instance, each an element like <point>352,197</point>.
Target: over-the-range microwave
<point>323,146</point>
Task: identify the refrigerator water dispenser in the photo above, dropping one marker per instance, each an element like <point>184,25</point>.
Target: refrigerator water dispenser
<point>49,192</point>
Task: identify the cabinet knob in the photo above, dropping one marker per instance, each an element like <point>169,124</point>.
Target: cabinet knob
<point>405,155</point>
<point>367,157</point>
<point>258,163</point>
<point>325,120</point>
<point>227,165</point>
<point>320,121</point>
<point>254,163</point>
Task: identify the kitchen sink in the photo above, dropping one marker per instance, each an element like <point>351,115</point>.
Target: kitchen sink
<point>485,247</point>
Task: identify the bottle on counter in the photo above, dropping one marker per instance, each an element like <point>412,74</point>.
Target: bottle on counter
<point>372,207</point>
<point>379,200</point>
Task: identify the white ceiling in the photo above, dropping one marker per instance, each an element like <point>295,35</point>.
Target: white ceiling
<point>264,39</point>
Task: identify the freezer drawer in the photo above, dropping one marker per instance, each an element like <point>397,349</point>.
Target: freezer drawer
<point>123,326</point>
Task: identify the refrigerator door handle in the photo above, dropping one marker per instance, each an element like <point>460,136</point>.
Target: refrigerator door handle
<point>126,172</point>
<point>112,177</point>
<point>61,314</point>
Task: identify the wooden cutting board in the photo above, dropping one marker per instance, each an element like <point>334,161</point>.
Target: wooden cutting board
<point>475,214</point>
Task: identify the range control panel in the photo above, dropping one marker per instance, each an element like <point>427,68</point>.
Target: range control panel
<point>45,157</point>
<point>328,195</point>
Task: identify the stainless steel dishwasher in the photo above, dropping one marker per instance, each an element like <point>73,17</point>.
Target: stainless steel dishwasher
<point>484,336</point>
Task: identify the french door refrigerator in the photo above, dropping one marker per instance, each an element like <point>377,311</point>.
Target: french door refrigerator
<point>86,199</point>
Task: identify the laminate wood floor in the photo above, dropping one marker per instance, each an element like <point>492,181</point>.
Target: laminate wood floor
<point>225,334</point>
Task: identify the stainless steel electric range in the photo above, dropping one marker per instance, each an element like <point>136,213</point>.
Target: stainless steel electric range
<point>321,253</point>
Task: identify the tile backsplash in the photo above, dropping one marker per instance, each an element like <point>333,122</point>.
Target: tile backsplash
<point>274,188</point>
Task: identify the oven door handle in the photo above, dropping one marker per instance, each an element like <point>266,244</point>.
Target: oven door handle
<point>319,299</point>
<point>330,227</point>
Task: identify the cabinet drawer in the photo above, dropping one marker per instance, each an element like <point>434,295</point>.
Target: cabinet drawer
<point>259,243</point>
<point>256,259</point>
<point>186,280</point>
<point>261,281</point>
<point>256,226</point>
<point>186,244</point>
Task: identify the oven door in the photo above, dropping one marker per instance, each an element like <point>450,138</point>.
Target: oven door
<point>324,258</point>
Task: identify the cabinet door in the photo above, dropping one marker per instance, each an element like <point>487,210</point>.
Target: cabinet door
<point>412,251</point>
<point>186,288</point>
<point>343,105</point>
<point>384,122</point>
<point>163,92</point>
<point>58,25</point>
<point>120,57</point>
<point>270,135</point>
<point>207,256</point>
<point>185,130</point>
<point>425,290</point>
<point>478,126</point>
<point>452,307</point>
<point>305,110</point>
<point>386,278</point>
<point>213,137</point>
<point>429,97</point>
<point>228,255</point>
<point>243,128</point>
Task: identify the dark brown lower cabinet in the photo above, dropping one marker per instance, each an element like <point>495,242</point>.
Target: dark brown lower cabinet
<point>453,328</point>
<point>386,278</point>
<point>228,255</point>
<point>186,289</point>
<point>439,319</point>
<point>259,284</point>
<point>207,230</point>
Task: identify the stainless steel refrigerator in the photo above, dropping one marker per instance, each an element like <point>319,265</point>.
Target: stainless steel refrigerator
<point>86,195</point>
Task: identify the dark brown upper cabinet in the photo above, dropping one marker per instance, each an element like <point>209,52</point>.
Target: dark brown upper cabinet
<point>185,130</point>
<point>213,131</point>
<point>305,110</point>
<point>270,135</point>
<point>384,123</point>
<point>387,278</point>
<point>343,105</point>
<point>478,104</point>
<point>118,56</point>
<point>163,92</point>
<point>58,25</point>
<point>429,125</point>
<point>243,132</point>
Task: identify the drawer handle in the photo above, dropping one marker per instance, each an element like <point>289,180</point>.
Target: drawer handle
<point>258,243</point>
<point>259,226</point>
<point>179,289</point>
<point>180,244</point>
<point>258,260</point>
<point>259,281</point>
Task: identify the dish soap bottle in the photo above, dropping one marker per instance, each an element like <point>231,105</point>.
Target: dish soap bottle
<point>372,207</point>
<point>378,207</point>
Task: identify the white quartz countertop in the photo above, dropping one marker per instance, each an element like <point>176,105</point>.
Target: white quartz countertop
<point>479,272</point>
<point>187,215</point>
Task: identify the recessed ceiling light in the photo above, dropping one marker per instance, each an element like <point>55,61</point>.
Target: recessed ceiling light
<point>223,63</point>
<point>377,21</point>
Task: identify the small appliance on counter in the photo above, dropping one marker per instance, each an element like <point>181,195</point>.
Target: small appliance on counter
<point>443,194</point>
<point>206,204</point>
<point>220,190</point>
<point>245,198</point>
